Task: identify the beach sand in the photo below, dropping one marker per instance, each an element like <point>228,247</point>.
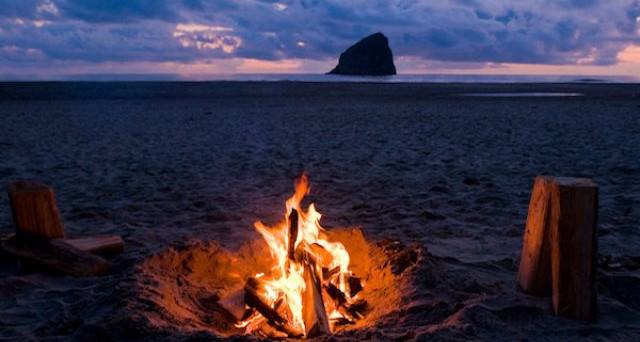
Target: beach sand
<point>167,164</point>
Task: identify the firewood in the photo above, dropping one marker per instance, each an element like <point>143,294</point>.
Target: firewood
<point>106,244</point>
<point>293,233</point>
<point>574,215</point>
<point>359,308</point>
<point>334,292</point>
<point>351,311</point>
<point>328,273</point>
<point>34,210</point>
<point>269,332</point>
<point>341,321</point>
<point>55,256</point>
<point>313,310</point>
<point>534,274</point>
<point>253,298</point>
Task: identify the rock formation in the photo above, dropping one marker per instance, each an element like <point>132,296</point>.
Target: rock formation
<point>371,56</point>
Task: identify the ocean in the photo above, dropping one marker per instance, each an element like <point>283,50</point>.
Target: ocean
<point>402,78</point>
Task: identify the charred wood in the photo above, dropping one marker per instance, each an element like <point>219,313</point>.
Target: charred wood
<point>293,233</point>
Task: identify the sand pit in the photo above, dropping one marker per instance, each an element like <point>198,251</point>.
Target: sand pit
<point>184,284</point>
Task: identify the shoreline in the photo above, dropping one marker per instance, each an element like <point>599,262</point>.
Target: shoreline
<point>88,90</point>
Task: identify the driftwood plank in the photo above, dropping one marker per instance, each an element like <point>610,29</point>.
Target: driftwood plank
<point>55,256</point>
<point>34,210</point>
<point>574,216</point>
<point>105,244</point>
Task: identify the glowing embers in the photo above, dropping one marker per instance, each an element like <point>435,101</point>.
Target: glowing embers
<point>308,289</point>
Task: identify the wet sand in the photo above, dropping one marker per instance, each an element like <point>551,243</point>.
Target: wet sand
<point>163,164</point>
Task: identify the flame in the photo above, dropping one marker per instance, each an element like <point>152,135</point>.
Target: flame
<point>284,283</point>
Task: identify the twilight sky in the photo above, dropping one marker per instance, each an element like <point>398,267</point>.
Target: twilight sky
<point>55,38</point>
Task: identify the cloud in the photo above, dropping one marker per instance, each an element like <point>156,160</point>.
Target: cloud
<point>630,54</point>
<point>47,7</point>
<point>201,36</point>
<point>468,32</point>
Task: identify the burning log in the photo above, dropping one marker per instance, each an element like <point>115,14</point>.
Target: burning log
<point>349,311</point>
<point>334,292</point>
<point>560,247</point>
<point>328,273</point>
<point>314,313</point>
<point>34,210</point>
<point>254,297</point>
<point>359,308</point>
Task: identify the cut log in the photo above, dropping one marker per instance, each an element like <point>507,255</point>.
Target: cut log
<point>106,244</point>
<point>314,314</point>
<point>34,210</point>
<point>574,215</point>
<point>55,256</point>
<point>560,245</point>
<point>534,274</point>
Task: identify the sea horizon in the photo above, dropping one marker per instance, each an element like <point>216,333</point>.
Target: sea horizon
<point>312,77</point>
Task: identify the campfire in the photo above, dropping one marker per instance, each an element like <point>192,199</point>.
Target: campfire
<point>297,280</point>
<point>309,289</point>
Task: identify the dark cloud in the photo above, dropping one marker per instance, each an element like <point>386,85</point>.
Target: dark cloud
<point>466,31</point>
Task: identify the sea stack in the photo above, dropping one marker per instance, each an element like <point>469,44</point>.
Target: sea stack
<point>371,56</point>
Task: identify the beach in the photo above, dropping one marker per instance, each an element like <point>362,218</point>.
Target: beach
<point>170,164</point>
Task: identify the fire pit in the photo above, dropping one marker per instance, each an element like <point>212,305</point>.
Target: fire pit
<point>299,280</point>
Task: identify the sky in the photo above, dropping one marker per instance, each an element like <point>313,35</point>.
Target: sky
<point>43,39</point>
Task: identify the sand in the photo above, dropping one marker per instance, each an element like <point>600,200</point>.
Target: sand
<point>167,165</point>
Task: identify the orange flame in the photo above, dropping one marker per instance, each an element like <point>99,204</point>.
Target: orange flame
<point>284,283</point>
